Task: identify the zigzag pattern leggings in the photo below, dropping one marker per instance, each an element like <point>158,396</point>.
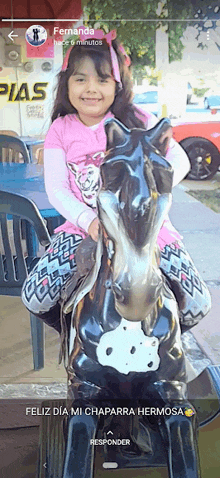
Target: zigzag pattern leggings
<point>41,290</point>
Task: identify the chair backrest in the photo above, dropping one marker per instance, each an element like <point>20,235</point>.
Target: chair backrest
<point>13,150</point>
<point>14,257</point>
<point>39,155</point>
<point>9,132</point>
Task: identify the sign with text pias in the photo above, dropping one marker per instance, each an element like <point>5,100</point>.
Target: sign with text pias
<point>24,92</point>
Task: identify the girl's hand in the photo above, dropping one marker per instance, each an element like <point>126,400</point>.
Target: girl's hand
<point>94,229</point>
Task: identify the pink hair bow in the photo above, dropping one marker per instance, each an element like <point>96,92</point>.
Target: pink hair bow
<point>127,58</point>
<point>66,59</point>
<point>98,35</point>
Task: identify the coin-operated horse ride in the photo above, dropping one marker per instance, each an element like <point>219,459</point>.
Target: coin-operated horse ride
<point>126,366</point>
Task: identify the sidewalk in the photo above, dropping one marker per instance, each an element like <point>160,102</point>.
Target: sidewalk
<point>200,228</point>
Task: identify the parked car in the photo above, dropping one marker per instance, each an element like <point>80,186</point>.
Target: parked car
<point>148,101</point>
<point>201,141</point>
<point>212,99</point>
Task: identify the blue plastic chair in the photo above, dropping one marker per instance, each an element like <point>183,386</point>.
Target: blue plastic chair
<point>15,264</point>
<point>13,150</point>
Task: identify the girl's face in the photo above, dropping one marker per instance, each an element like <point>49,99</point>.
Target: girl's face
<point>90,94</point>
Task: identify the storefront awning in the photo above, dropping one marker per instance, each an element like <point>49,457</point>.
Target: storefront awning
<point>39,10</point>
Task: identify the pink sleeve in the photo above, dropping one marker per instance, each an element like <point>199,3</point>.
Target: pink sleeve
<point>57,184</point>
<point>54,137</point>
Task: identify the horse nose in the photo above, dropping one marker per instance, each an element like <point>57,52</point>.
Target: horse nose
<point>118,293</point>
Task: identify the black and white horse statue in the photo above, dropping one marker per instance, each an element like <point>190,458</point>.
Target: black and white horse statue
<point>126,357</point>
<point>125,339</point>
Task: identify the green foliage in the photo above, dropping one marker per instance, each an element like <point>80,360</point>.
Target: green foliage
<point>176,47</point>
<point>200,92</point>
<point>139,73</point>
<point>153,81</point>
<point>138,35</point>
<point>66,47</point>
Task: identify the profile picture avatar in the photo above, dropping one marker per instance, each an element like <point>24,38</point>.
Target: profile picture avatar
<point>36,35</point>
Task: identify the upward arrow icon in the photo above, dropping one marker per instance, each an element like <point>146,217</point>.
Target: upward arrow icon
<point>109,432</point>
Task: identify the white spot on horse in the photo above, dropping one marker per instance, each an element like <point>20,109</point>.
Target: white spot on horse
<point>128,349</point>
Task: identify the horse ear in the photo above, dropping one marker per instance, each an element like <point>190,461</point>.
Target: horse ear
<point>160,135</point>
<point>117,133</point>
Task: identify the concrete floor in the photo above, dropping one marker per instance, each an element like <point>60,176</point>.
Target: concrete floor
<point>16,364</point>
<point>200,227</point>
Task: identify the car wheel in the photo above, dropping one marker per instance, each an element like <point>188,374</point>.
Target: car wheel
<point>206,104</point>
<point>204,158</point>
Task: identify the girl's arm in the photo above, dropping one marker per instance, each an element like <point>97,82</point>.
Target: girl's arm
<point>179,161</point>
<point>59,192</point>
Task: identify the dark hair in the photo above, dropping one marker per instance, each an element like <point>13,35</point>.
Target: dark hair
<point>122,107</point>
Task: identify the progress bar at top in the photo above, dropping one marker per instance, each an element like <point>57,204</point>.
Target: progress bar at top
<point>101,20</point>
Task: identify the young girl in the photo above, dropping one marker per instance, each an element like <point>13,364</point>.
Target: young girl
<point>94,85</point>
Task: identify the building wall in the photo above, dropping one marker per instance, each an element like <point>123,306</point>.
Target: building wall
<point>26,98</point>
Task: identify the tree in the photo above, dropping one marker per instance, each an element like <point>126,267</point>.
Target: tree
<point>138,34</point>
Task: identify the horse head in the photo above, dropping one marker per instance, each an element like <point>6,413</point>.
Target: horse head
<point>133,202</point>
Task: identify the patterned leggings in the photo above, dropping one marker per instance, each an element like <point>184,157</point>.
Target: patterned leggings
<point>41,290</point>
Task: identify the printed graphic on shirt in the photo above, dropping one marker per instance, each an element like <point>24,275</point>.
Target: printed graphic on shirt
<point>87,177</point>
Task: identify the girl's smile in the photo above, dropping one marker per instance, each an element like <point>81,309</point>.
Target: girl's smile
<point>91,95</point>
<point>91,101</point>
